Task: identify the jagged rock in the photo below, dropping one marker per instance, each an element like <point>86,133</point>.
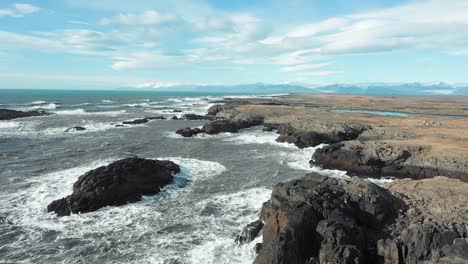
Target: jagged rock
<point>76,128</point>
<point>316,220</point>
<point>119,183</point>
<point>7,114</point>
<point>175,118</point>
<point>177,111</point>
<point>189,132</point>
<point>155,118</point>
<point>377,159</point>
<point>312,137</point>
<point>325,221</point>
<point>250,232</point>
<point>241,119</point>
<point>218,126</point>
<point>136,121</point>
<point>197,117</point>
<point>215,109</point>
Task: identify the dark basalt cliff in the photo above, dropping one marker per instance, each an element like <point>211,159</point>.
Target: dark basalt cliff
<point>317,220</point>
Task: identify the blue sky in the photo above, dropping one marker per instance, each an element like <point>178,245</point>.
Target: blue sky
<point>142,43</point>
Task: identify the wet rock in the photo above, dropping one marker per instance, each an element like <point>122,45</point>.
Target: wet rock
<point>249,233</point>
<point>322,134</point>
<point>136,121</point>
<point>119,183</point>
<point>220,126</point>
<point>377,159</point>
<point>189,132</point>
<point>175,118</point>
<point>7,114</point>
<point>76,128</point>
<point>215,109</point>
<point>316,220</point>
<point>197,117</point>
<point>177,111</point>
<point>155,118</point>
<point>326,221</point>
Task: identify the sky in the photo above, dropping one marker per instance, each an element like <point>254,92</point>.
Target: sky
<point>69,44</point>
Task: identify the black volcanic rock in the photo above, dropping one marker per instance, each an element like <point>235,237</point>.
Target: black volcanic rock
<point>136,121</point>
<point>250,232</point>
<point>317,220</point>
<point>219,126</point>
<point>315,137</point>
<point>189,132</point>
<point>380,159</point>
<point>197,117</point>
<point>119,183</point>
<point>215,109</point>
<point>76,128</point>
<point>7,114</point>
<point>155,118</point>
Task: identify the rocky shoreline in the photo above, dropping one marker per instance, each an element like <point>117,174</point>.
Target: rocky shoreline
<point>323,220</point>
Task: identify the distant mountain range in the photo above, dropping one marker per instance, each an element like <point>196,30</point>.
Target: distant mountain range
<point>365,89</point>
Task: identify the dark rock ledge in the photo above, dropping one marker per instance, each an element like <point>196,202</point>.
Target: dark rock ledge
<point>379,159</point>
<point>226,121</point>
<point>119,183</point>
<point>317,220</point>
<point>7,114</point>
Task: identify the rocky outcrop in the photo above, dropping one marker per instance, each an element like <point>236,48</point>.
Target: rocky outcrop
<point>189,132</point>
<point>136,121</point>
<point>227,121</point>
<point>380,158</point>
<point>215,109</point>
<point>317,220</point>
<point>74,129</point>
<point>249,233</point>
<point>7,114</point>
<point>119,183</point>
<point>319,133</point>
<point>155,118</point>
<point>197,117</point>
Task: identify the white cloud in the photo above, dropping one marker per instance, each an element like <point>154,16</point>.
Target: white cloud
<point>19,10</point>
<point>26,8</point>
<point>319,73</point>
<point>303,67</point>
<point>150,17</point>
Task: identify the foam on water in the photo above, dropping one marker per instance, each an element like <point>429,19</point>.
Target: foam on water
<point>107,101</point>
<point>81,111</point>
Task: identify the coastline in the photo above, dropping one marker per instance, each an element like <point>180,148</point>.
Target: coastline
<point>315,219</point>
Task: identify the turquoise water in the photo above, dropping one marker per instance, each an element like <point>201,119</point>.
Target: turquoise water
<point>381,113</point>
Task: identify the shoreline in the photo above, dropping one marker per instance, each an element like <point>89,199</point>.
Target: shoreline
<point>315,219</point>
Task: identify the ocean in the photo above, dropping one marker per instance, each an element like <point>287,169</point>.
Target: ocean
<point>225,177</point>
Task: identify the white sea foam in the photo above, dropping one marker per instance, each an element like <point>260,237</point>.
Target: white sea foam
<point>80,111</point>
<point>47,106</point>
<point>176,100</point>
<point>8,124</point>
<point>46,188</point>
<point>38,102</point>
<point>238,209</point>
<point>107,101</point>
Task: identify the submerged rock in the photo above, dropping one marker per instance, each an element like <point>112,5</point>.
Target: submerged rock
<point>7,114</point>
<point>76,128</point>
<point>136,121</point>
<point>119,183</point>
